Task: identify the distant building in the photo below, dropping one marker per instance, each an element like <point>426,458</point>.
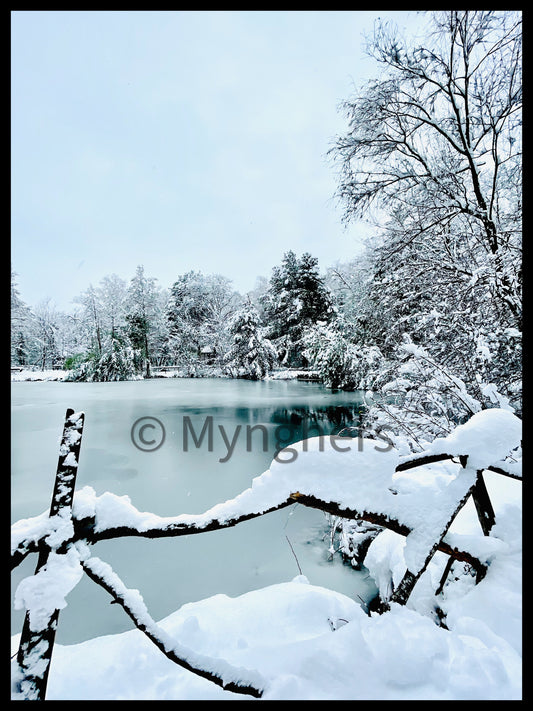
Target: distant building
<point>208,353</point>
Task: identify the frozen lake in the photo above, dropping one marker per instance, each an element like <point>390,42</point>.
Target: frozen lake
<point>179,477</point>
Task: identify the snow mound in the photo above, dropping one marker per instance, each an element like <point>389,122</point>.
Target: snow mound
<point>307,641</point>
<point>487,438</point>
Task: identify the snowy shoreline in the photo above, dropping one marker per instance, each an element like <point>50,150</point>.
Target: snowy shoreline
<point>26,375</point>
<point>313,643</point>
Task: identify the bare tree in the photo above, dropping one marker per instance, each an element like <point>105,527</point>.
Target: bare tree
<point>113,293</point>
<point>92,317</point>
<point>45,329</point>
<point>436,141</point>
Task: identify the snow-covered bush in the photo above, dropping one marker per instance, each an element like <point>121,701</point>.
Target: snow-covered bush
<point>418,399</point>
<point>118,361</point>
<point>339,361</point>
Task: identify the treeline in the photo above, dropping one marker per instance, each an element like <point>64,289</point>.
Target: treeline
<point>121,330</point>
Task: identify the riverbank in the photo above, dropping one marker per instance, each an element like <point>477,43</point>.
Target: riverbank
<point>24,374</point>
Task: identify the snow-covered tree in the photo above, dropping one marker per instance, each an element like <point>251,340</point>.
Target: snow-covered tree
<point>435,145</point>
<point>418,399</point>
<point>257,295</point>
<point>20,324</point>
<point>251,355</point>
<point>199,307</point>
<point>90,317</point>
<point>341,362</point>
<point>118,360</point>
<point>433,149</point>
<point>436,140</point>
<point>143,310</point>
<point>44,331</point>
<point>296,300</point>
<point>113,327</point>
<point>113,296</point>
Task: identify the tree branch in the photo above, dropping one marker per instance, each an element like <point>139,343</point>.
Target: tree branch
<point>217,671</point>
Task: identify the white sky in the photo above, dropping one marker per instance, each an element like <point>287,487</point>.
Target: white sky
<point>178,140</point>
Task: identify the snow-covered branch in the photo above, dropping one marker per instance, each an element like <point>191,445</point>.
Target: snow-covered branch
<point>220,672</point>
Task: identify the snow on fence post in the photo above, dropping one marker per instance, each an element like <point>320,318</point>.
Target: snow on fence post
<point>409,580</point>
<point>36,645</point>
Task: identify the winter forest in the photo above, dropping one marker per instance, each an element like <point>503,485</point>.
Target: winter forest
<point>426,321</point>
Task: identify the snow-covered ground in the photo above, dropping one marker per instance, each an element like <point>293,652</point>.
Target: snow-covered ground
<point>306,642</point>
<point>24,374</point>
<point>202,371</point>
<point>291,374</point>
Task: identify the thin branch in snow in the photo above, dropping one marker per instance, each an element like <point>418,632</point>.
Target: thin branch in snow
<point>218,671</point>
<point>294,554</point>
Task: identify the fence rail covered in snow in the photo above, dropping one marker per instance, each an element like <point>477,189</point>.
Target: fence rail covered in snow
<point>353,479</point>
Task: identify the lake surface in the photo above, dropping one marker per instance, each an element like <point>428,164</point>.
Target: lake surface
<point>126,454</point>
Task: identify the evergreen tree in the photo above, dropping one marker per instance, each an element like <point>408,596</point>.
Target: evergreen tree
<point>340,361</point>
<point>296,300</point>
<point>251,355</point>
<point>118,360</point>
<point>19,349</point>
<point>315,299</point>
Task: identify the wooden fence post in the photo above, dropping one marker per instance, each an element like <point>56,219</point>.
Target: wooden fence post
<point>36,645</point>
<point>409,580</point>
<point>483,504</point>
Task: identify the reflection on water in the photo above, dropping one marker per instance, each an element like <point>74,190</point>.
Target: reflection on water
<point>247,423</point>
<point>313,421</point>
<point>237,430</point>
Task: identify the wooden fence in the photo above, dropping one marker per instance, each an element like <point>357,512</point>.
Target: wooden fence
<point>37,639</point>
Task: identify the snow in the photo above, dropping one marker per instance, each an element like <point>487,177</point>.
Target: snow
<point>285,631</point>
<point>136,607</point>
<point>487,438</point>
<point>53,529</point>
<point>356,473</point>
<point>296,640</point>
<point>24,374</point>
<point>291,374</point>
<point>70,460</point>
<point>46,591</point>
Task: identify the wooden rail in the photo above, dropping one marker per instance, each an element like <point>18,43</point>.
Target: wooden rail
<point>37,638</point>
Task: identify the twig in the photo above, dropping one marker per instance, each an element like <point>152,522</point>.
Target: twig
<point>294,554</point>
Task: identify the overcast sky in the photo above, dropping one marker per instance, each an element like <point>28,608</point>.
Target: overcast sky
<point>178,140</point>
